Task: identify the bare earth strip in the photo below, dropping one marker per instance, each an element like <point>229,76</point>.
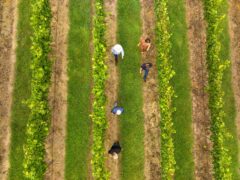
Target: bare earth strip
<point>198,74</point>
<point>234,29</point>
<point>8,33</point>
<point>112,133</point>
<point>150,98</point>
<point>55,143</point>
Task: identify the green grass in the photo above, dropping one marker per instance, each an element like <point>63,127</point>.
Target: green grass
<point>79,73</point>
<point>183,139</point>
<point>229,107</point>
<point>21,92</point>
<point>130,91</point>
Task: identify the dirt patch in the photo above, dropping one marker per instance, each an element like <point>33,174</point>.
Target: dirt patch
<point>234,30</point>
<point>55,143</point>
<point>150,98</point>
<point>112,133</point>
<point>8,33</point>
<point>199,79</point>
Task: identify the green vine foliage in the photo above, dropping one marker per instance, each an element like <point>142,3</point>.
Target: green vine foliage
<point>38,122</point>
<point>216,67</point>
<point>165,75</point>
<point>99,79</point>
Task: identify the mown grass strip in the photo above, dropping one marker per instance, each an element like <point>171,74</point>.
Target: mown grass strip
<point>229,106</point>
<point>79,74</point>
<point>38,120</point>
<point>99,101</point>
<point>21,91</point>
<point>217,63</point>
<point>130,91</point>
<point>165,75</point>
<point>182,118</point>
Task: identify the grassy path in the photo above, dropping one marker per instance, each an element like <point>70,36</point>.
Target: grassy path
<point>198,73</point>
<point>79,74</point>
<point>183,138</point>
<point>8,31</point>
<point>21,92</point>
<point>150,97</point>
<point>130,95</point>
<point>229,106</point>
<point>234,31</point>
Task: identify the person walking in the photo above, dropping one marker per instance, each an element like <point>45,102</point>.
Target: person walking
<point>145,67</point>
<point>144,44</point>
<point>117,50</point>
<point>115,150</point>
<point>117,109</point>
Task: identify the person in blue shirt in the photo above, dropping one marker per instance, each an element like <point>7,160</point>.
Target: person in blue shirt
<point>145,67</point>
<point>117,109</point>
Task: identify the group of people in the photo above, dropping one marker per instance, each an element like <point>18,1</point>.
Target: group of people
<point>116,148</point>
<point>144,45</point>
<point>117,50</point>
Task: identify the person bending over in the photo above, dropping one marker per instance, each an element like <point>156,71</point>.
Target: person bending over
<point>117,50</point>
<point>115,150</point>
<point>117,109</point>
<point>144,44</point>
<point>145,67</point>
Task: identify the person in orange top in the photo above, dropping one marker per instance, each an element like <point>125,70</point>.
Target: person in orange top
<point>144,44</point>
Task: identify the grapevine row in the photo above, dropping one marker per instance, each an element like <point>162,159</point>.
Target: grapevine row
<point>38,122</point>
<point>99,79</point>
<point>216,67</point>
<point>165,75</point>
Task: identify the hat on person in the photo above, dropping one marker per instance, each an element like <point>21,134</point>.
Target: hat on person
<point>119,112</point>
<point>115,156</point>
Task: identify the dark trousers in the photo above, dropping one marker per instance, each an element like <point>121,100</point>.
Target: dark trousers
<point>145,74</point>
<point>116,59</point>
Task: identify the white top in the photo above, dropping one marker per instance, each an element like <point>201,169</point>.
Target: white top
<point>115,156</point>
<point>117,49</point>
<point>119,112</point>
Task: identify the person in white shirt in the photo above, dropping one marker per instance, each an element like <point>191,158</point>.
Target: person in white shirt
<point>116,50</point>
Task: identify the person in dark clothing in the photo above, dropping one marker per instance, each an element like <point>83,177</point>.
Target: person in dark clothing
<point>115,149</point>
<point>117,109</point>
<point>145,67</point>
